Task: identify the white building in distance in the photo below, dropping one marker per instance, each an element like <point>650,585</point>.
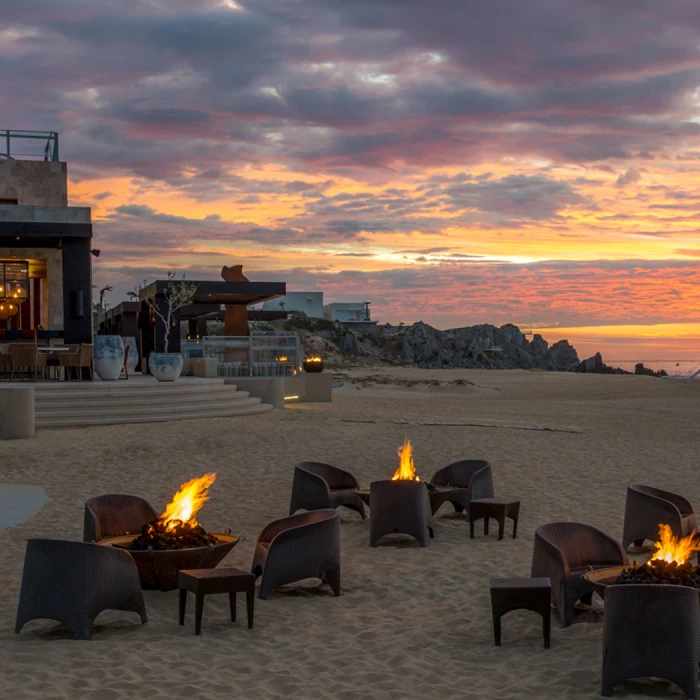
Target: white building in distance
<point>311,303</point>
<point>348,312</point>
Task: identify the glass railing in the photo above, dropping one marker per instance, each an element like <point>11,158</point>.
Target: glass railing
<point>262,354</point>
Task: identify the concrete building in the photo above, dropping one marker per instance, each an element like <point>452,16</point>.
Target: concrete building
<point>348,312</point>
<point>311,303</point>
<point>45,246</point>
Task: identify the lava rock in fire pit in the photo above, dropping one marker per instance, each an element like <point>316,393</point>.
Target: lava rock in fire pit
<point>659,571</point>
<point>173,534</point>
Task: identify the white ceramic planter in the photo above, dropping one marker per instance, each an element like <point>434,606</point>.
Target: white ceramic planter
<point>108,356</point>
<point>133,358</point>
<point>165,366</point>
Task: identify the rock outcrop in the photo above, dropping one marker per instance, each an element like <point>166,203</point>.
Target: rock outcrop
<point>483,346</point>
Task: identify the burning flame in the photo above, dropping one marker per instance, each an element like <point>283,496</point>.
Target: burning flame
<point>674,549</point>
<point>406,470</point>
<point>315,358</point>
<point>187,501</point>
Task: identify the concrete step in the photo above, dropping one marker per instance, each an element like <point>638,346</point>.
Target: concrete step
<point>138,400</point>
<point>164,415</point>
<point>146,405</point>
<point>88,389</point>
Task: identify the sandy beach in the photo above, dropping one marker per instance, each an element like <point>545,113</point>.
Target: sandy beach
<point>411,623</point>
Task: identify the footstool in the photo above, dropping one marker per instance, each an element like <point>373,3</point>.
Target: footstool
<point>497,508</point>
<point>521,594</point>
<point>201,582</point>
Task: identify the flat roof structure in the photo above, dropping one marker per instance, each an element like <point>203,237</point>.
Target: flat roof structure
<point>220,292</point>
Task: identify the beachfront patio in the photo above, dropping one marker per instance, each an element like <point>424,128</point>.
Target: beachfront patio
<point>412,622</point>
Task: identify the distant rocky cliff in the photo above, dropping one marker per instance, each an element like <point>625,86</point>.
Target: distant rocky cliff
<point>484,346</point>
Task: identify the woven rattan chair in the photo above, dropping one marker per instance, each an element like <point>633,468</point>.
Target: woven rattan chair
<point>78,357</point>
<point>399,507</point>
<point>5,361</point>
<point>127,347</point>
<point>651,630</point>
<point>27,356</point>
<point>113,515</point>
<point>302,546</point>
<point>72,582</point>
<point>472,479</point>
<point>563,552</point>
<point>646,508</point>
<point>318,485</point>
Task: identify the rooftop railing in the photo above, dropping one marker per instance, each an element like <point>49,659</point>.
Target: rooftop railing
<point>12,139</point>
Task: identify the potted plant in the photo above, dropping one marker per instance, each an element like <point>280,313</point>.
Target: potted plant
<point>166,366</point>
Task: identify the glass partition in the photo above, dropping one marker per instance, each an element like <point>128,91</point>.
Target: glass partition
<point>262,354</point>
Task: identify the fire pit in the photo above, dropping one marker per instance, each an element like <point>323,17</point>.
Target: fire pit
<point>175,540</point>
<point>400,504</point>
<point>313,365</point>
<point>670,564</point>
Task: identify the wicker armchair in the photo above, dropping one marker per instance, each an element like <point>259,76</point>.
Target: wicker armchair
<point>646,508</point>
<point>72,582</point>
<point>27,355</point>
<point>78,357</point>
<point>5,361</point>
<point>113,515</point>
<point>651,630</point>
<point>563,552</point>
<point>302,546</point>
<point>473,480</point>
<point>318,485</point>
<point>399,506</point>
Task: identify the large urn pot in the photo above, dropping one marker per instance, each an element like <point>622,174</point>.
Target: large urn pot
<point>108,356</point>
<point>132,359</point>
<point>165,366</point>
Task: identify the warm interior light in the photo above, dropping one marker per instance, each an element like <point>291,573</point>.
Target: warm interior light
<point>289,398</point>
<point>407,469</point>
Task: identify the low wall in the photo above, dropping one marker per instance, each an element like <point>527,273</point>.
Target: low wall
<point>16,413</point>
<point>269,390</point>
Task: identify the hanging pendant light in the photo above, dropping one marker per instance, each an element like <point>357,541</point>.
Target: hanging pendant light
<point>14,281</point>
<point>7,310</point>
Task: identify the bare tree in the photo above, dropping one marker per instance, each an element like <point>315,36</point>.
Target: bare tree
<point>178,293</point>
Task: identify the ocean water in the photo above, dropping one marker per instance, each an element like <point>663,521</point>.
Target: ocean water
<point>675,368</point>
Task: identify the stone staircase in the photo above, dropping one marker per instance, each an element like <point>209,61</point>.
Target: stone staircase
<point>139,400</point>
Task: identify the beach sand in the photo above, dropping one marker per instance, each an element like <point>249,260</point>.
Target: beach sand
<point>411,622</point>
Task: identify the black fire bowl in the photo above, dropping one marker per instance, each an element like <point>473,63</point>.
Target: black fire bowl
<point>313,367</point>
<point>158,568</point>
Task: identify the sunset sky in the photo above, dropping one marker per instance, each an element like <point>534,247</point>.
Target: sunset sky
<point>453,161</point>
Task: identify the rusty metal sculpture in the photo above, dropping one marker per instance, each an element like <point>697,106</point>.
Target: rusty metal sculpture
<point>236,316</point>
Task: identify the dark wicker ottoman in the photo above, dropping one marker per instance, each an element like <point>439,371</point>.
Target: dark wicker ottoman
<point>521,594</point>
<point>497,508</point>
<point>201,582</point>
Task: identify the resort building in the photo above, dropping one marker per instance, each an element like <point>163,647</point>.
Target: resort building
<point>310,303</point>
<point>348,312</point>
<point>45,246</point>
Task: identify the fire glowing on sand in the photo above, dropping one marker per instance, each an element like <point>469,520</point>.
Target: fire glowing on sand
<point>187,502</point>
<point>670,564</point>
<point>407,469</point>
<point>177,527</point>
<point>674,549</point>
